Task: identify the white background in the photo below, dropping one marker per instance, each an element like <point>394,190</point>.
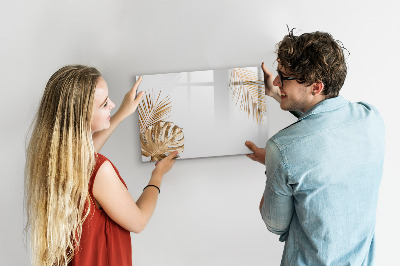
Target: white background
<point>208,208</point>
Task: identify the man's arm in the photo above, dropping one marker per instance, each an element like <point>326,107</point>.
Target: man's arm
<point>261,203</point>
<point>276,205</point>
<point>270,89</point>
<point>276,211</point>
<point>274,91</point>
<point>128,106</point>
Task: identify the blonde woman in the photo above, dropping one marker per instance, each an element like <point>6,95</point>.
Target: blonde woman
<point>78,207</point>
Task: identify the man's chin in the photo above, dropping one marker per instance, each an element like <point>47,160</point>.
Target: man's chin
<point>285,108</point>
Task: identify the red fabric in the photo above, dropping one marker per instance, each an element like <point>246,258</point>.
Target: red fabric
<point>103,241</point>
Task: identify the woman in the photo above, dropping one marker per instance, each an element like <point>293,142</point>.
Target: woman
<point>78,207</point>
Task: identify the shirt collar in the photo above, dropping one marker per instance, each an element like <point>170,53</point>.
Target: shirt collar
<point>325,106</point>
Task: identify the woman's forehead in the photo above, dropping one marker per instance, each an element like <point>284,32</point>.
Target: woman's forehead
<point>101,91</point>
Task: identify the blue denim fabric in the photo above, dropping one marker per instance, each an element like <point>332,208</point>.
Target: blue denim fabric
<point>323,176</point>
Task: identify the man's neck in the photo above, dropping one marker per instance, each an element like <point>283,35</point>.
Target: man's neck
<point>316,100</point>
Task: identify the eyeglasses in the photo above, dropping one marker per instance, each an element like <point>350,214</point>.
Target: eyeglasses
<point>282,78</point>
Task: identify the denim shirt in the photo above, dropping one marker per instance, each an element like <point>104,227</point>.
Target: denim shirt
<point>323,176</point>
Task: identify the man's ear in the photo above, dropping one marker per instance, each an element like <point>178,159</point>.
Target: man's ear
<point>317,88</point>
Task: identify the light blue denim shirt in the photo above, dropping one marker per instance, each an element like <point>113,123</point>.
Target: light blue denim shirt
<point>323,176</point>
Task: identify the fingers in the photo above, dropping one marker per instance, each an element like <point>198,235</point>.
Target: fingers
<point>265,69</point>
<point>138,82</point>
<point>251,156</point>
<point>251,146</point>
<point>136,85</point>
<point>172,155</point>
<point>139,97</point>
<point>163,166</point>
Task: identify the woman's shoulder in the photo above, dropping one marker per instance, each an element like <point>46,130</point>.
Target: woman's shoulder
<point>105,167</point>
<point>100,158</point>
<point>102,164</point>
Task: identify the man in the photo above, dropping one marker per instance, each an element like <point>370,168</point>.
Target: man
<point>323,171</point>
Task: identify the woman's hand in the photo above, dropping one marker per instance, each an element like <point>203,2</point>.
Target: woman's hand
<point>131,101</point>
<point>163,166</point>
<point>128,106</point>
<point>270,89</point>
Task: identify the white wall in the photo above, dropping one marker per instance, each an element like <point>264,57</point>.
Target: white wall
<point>208,208</point>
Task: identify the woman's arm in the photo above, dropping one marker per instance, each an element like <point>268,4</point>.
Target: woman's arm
<point>128,106</point>
<point>116,201</point>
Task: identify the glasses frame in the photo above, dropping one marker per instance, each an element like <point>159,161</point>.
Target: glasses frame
<point>282,78</point>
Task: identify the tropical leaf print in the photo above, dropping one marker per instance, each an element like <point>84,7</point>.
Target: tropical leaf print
<point>153,109</point>
<point>160,139</point>
<point>248,93</point>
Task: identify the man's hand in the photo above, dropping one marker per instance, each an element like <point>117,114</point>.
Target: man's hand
<point>270,89</point>
<point>259,153</point>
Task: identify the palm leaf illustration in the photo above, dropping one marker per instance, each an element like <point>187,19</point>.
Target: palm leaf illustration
<point>248,93</point>
<point>153,109</point>
<point>161,138</point>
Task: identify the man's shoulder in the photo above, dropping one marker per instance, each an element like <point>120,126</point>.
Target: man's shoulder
<point>367,108</point>
<point>288,135</point>
<point>326,121</point>
<point>365,113</point>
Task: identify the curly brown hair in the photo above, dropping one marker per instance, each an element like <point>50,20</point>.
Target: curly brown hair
<point>314,57</point>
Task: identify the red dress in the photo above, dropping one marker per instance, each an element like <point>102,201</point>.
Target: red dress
<point>103,241</point>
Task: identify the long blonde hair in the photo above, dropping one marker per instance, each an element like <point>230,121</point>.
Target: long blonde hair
<point>59,162</point>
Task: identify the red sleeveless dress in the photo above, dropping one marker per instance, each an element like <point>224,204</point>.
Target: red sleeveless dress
<point>103,241</point>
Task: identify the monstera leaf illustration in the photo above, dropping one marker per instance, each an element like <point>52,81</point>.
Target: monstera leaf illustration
<point>161,138</point>
<point>248,93</point>
<point>152,109</point>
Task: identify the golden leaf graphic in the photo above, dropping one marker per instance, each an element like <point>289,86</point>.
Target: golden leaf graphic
<point>248,93</point>
<point>152,109</point>
<point>161,138</point>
